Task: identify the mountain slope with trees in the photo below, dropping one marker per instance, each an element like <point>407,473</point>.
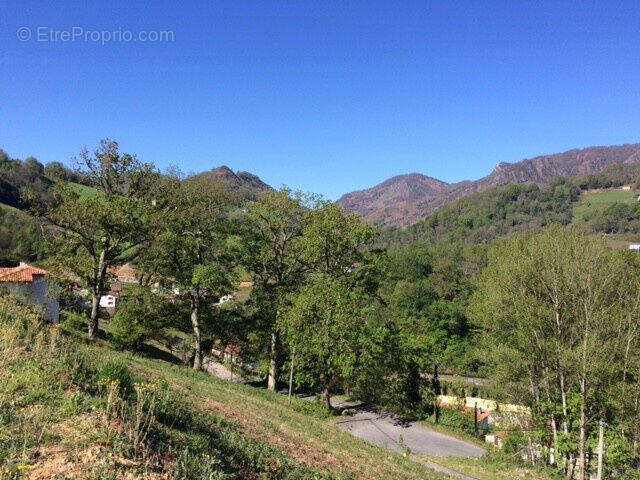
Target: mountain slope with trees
<point>409,205</point>
<point>481,217</point>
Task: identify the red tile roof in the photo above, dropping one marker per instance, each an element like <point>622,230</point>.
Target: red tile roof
<point>21,273</point>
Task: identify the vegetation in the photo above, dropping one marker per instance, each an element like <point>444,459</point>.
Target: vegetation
<point>499,283</point>
<point>275,255</point>
<point>558,313</point>
<point>482,217</point>
<point>61,399</point>
<point>92,233</point>
<point>192,245</point>
<point>497,465</point>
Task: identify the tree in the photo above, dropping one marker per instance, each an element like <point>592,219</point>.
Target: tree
<point>324,324</point>
<point>335,239</point>
<point>274,253</point>
<point>194,248</point>
<point>554,308</point>
<point>141,315</point>
<point>326,319</point>
<point>96,231</point>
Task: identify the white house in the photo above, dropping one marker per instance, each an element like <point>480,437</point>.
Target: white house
<point>109,300</point>
<point>30,284</point>
<point>634,246</point>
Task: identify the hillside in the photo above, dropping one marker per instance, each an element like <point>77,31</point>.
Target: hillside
<point>395,199</point>
<point>397,202</point>
<point>244,185</point>
<point>83,410</point>
<point>595,202</point>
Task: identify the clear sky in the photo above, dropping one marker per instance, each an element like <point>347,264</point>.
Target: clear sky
<point>327,97</point>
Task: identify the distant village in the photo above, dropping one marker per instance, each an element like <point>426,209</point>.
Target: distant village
<point>33,285</point>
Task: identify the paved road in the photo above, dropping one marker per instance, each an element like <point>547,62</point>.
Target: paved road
<point>386,430</point>
<point>391,432</point>
<point>214,367</point>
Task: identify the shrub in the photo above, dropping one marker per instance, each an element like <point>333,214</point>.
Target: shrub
<point>74,321</point>
<point>139,318</point>
<point>117,371</point>
<point>455,420</point>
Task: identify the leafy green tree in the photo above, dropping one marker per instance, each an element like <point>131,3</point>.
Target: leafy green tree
<point>332,304</point>
<point>95,232</point>
<point>141,316</point>
<point>324,324</point>
<point>555,310</point>
<point>194,248</point>
<point>274,252</point>
<point>335,239</point>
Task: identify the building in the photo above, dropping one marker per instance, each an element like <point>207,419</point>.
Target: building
<point>109,301</point>
<point>125,274</point>
<point>635,247</point>
<point>30,284</point>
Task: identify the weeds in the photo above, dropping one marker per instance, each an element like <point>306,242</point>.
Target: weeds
<point>56,404</point>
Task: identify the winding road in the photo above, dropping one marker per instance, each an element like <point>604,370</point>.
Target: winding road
<point>388,431</point>
<point>394,433</point>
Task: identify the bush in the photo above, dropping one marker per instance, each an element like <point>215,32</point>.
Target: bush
<point>455,420</point>
<point>139,318</point>
<point>74,321</point>
<point>118,371</point>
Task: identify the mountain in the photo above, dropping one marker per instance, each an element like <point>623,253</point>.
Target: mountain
<point>395,199</point>
<point>406,199</point>
<point>245,185</point>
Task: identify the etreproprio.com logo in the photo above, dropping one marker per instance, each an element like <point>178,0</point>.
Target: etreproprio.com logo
<point>46,34</point>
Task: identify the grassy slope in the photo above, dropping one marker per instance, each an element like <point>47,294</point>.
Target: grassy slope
<point>10,208</point>
<point>266,416</point>
<point>84,190</point>
<point>54,420</point>
<point>592,201</point>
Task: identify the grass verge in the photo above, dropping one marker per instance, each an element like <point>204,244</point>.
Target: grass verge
<point>494,466</point>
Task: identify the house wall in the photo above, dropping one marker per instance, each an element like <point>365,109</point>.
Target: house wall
<point>108,301</point>
<point>36,293</point>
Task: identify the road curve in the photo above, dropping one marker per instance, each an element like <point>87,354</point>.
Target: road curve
<point>394,433</point>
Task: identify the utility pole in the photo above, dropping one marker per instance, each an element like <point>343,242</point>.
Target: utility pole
<point>293,355</point>
<point>475,419</point>
<point>600,450</point>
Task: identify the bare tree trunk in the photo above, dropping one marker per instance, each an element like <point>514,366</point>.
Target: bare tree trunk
<point>197,332</point>
<point>583,430</point>
<point>273,361</point>
<point>95,307</point>
<point>554,425</point>
<point>97,291</point>
<point>570,461</point>
<point>326,398</point>
<point>600,450</point>
<point>293,356</point>
<point>532,452</point>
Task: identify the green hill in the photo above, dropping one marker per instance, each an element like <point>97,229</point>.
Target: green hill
<point>596,201</point>
<point>70,408</point>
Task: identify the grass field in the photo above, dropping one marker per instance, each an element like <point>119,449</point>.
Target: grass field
<point>84,190</point>
<point>598,200</point>
<point>10,208</point>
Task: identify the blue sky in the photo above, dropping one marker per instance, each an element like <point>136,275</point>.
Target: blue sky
<point>327,97</point>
